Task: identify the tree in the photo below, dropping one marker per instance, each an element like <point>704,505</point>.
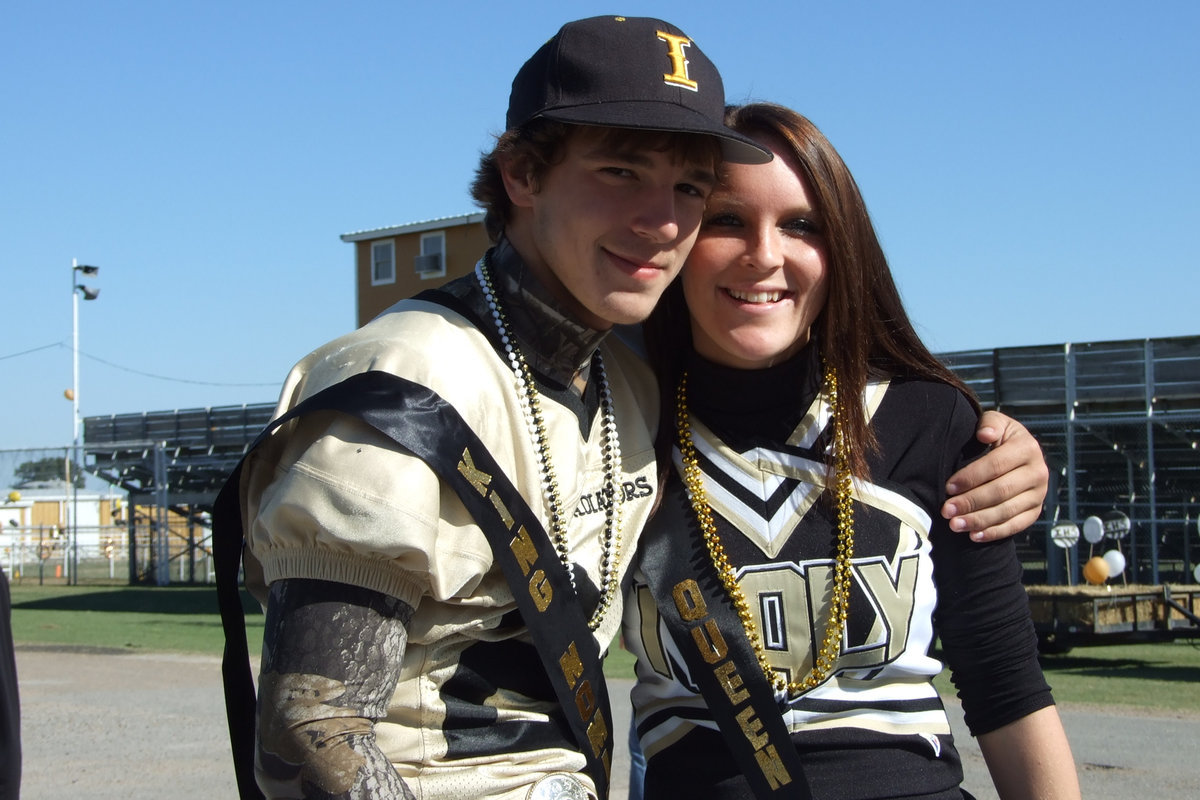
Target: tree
<point>51,468</point>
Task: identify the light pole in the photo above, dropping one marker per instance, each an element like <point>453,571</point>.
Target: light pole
<point>76,459</point>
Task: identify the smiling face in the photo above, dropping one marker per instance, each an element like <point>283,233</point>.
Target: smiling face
<point>757,277</point>
<point>608,227</point>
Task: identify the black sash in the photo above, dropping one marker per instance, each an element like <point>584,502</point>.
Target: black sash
<point>424,424</point>
<point>702,621</point>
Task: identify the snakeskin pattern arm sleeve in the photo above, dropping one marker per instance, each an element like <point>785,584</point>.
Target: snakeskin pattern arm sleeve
<point>331,660</point>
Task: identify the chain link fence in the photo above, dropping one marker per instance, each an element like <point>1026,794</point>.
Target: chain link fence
<point>60,525</point>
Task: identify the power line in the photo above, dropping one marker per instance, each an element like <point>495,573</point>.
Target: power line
<point>167,378</point>
<point>134,371</point>
<point>34,350</point>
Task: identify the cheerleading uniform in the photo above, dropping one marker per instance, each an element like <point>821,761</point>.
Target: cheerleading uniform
<point>875,727</point>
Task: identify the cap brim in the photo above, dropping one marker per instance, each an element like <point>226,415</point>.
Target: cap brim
<point>654,115</point>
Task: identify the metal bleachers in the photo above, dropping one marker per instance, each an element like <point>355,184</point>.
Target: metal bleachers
<point>1119,423</point>
<point>188,453</point>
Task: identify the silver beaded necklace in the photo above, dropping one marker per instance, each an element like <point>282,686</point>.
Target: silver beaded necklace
<point>530,401</point>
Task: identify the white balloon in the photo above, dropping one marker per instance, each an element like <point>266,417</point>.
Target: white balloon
<point>1093,529</point>
<point>1196,572</point>
<point>1116,562</point>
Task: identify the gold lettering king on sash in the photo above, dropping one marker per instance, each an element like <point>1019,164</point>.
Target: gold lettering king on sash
<point>679,63</point>
<point>480,481</point>
<point>524,550</point>
<point>585,704</point>
<point>540,590</point>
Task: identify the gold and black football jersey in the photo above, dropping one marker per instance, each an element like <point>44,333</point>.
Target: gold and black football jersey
<point>875,727</point>
<point>329,498</point>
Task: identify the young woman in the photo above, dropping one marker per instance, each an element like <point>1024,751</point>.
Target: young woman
<point>798,570</point>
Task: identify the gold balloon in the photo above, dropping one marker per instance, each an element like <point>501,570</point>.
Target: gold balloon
<point>1095,570</point>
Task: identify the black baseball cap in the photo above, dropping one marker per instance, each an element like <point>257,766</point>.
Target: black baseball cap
<point>627,72</point>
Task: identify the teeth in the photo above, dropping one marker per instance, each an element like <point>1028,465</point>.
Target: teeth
<point>756,297</point>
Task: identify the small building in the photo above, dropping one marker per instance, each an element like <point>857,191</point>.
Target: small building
<point>46,522</point>
<point>52,506</point>
<point>394,263</point>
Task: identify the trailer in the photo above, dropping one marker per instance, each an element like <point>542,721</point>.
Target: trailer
<point>1069,616</point>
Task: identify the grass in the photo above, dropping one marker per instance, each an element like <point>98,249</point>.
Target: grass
<point>619,663</point>
<point>181,619</point>
<point>1163,676</point>
<point>1159,675</point>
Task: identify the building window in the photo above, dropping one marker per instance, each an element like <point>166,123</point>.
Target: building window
<point>383,262</point>
<point>432,261</point>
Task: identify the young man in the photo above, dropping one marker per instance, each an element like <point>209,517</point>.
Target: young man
<point>439,526</point>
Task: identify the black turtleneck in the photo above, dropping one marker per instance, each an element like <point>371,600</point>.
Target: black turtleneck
<point>557,347</point>
<point>753,406</point>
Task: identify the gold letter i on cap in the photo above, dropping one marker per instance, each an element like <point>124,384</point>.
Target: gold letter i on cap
<point>678,62</point>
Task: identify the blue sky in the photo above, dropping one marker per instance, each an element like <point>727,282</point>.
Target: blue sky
<point>1031,168</point>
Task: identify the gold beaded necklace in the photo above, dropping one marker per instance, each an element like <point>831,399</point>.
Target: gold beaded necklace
<point>693,479</point>
<point>529,397</point>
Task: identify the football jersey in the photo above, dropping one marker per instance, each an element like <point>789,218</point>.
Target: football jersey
<point>329,498</point>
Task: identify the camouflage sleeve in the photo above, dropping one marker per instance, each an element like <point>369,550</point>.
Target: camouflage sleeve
<point>331,659</point>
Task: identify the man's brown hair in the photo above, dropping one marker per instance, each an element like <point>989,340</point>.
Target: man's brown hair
<point>540,144</point>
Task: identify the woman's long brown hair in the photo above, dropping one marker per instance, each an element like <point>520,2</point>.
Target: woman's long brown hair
<point>863,331</point>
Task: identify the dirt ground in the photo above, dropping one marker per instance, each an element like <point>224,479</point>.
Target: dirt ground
<point>109,725</point>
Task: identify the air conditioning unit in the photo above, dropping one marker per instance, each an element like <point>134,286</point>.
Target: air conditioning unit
<point>425,265</point>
